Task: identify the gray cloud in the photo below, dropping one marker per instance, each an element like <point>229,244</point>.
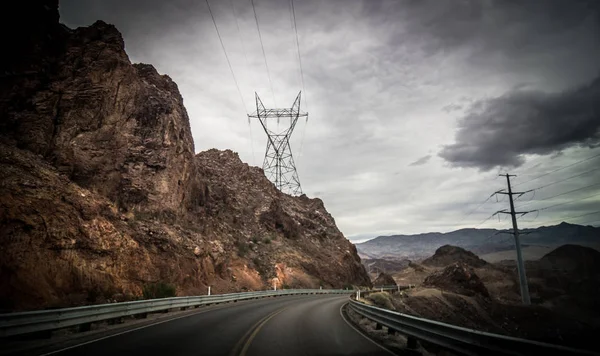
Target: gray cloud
<point>497,131</point>
<point>375,81</point>
<point>421,161</point>
<point>452,107</point>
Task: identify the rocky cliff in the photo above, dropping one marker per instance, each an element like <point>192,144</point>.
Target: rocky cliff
<point>101,192</point>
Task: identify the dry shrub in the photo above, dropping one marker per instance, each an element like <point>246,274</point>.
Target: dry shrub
<point>381,299</point>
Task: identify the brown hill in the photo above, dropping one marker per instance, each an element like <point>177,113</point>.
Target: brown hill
<point>573,258</point>
<point>101,192</point>
<point>448,254</point>
<point>384,280</point>
<point>457,278</point>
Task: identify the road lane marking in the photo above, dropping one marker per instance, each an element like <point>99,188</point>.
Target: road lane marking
<point>361,333</point>
<point>131,330</point>
<point>251,338</point>
<point>251,334</point>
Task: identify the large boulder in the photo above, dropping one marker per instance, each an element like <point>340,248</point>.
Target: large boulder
<point>384,279</point>
<point>457,278</point>
<point>449,254</point>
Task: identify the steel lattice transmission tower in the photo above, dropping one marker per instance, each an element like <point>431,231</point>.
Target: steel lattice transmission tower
<point>279,164</point>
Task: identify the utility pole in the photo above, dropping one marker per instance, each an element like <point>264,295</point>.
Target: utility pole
<point>520,264</point>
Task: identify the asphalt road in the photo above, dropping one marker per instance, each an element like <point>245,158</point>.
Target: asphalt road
<point>290,326</point>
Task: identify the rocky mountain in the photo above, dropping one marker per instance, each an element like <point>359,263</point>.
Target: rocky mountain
<point>101,192</point>
<point>448,254</point>
<point>384,279</point>
<point>479,241</point>
<point>573,258</point>
<point>459,278</point>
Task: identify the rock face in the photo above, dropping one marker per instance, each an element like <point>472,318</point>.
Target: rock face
<point>101,192</point>
<point>457,278</point>
<point>384,280</point>
<point>573,258</point>
<point>448,254</point>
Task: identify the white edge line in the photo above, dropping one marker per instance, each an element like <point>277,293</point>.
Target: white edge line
<point>362,334</point>
<point>139,328</point>
<point>126,331</point>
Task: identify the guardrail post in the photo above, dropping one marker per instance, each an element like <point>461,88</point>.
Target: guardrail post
<point>208,290</point>
<point>391,331</point>
<point>377,326</point>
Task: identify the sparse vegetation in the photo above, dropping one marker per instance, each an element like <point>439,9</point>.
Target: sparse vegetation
<point>242,248</point>
<point>267,240</point>
<point>159,290</point>
<point>381,299</point>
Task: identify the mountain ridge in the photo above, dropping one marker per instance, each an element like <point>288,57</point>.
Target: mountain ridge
<point>480,241</point>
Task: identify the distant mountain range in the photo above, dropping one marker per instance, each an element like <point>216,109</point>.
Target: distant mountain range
<point>479,241</point>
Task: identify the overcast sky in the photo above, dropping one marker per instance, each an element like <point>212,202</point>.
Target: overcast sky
<point>414,106</point>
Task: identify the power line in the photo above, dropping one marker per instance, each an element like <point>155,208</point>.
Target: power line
<point>294,57</point>
<point>477,207</point>
<point>489,217</point>
<point>239,33</point>
<point>571,217</point>
<point>561,194</point>
<point>566,179</point>
<point>559,169</point>
<point>226,57</point>
<point>263,51</point>
<point>237,25</point>
<point>590,222</point>
<point>569,202</point>
<point>299,57</point>
<point>301,76</point>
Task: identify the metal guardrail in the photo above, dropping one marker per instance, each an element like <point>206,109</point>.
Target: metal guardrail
<point>390,287</point>
<point>462,340</point>
<point>44,320</point>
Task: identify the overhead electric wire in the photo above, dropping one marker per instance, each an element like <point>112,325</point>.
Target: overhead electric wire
<point>566,179</point>
<point>299,56</point>
<point>301,78</point>
<point>477,207</point>
<point>263,51</point>
<point>237,25</point>
<point>226,56</point>
<point>558,169</point>
<point>558,195</point>
<point>572,217</point>
<point>590,222</point>
<point>294,56</point>
<point>568,202</point>
<point>488,218</point>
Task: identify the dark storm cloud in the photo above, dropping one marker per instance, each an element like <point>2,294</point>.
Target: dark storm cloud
<point>497,131</point>
<point>421,161</point>
<point>495,24</point>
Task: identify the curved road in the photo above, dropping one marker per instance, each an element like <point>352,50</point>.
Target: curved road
<point>290,326</point>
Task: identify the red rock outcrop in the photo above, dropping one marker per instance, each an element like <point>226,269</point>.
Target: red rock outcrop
<point>101,192</point>
<point>449,254</point>
<point>457,278</point>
